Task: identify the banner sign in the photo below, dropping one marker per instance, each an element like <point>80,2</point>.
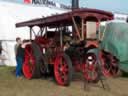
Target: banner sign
<point>47,3</point>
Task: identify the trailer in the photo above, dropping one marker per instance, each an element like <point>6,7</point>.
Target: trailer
<point>69,42</point>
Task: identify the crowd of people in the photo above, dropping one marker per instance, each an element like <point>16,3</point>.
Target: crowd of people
<point>19,53</point>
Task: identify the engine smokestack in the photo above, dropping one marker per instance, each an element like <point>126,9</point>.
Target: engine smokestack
<point>75,4</point>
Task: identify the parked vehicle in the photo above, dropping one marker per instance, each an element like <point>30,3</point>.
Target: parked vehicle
<point>68,51</point>
<point>115,44</point>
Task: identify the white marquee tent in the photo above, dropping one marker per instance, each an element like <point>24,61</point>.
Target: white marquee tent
<point>10,14</point>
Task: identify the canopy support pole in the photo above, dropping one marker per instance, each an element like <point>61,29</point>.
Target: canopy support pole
<point>30,33</point>
<point>76,28</point>
<point>82,29</point>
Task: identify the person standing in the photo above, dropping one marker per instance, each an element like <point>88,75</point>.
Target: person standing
<point>18,42</point>
<point>20,57</point>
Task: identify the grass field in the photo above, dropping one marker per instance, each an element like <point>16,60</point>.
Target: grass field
<point>11,86</point>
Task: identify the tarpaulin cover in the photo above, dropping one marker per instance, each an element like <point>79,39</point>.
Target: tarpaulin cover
<point>115,41</point>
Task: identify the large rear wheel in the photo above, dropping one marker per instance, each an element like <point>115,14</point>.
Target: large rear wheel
<point>63,69</point>
<point>29,62</point>
<point>33,65</point>
<point>109,65</point>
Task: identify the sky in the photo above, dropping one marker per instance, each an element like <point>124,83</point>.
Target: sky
<point>109,5</point>
<point>120,6</point>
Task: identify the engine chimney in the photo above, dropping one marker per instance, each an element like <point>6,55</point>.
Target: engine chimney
<point>75,4</point>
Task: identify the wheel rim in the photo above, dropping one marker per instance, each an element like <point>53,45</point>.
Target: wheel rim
<point>29,62</point>
<point>61,70</point>
<point>106,66</point>
<point>114,66</point>
<point>89,67</point>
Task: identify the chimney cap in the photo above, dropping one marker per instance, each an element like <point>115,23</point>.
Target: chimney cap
<point>75,4</point>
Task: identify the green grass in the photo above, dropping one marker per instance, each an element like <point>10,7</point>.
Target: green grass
<point>6,72</point>
<point>11,86</point>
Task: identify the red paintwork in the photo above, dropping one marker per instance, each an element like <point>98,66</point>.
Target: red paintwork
<point>61,70</point>
<point>90,68</point>
<point>110,70</point>
<point>89,42</point>
<point>41,40</point>
<point>29,63</point>
<point>27,1</point>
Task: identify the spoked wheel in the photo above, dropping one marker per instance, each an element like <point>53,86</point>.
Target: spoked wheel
<point>90,68</point>
<point>115,68</point>
<point>33,66</point>
<point>63,70</point>
<point>29,62</point>
<point>109,65</point>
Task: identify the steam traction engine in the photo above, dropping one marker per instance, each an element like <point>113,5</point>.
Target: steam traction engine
<point>67,50</point>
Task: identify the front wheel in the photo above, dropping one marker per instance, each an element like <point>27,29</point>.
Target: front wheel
<point>63,69</point>
<point>90,68</point>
